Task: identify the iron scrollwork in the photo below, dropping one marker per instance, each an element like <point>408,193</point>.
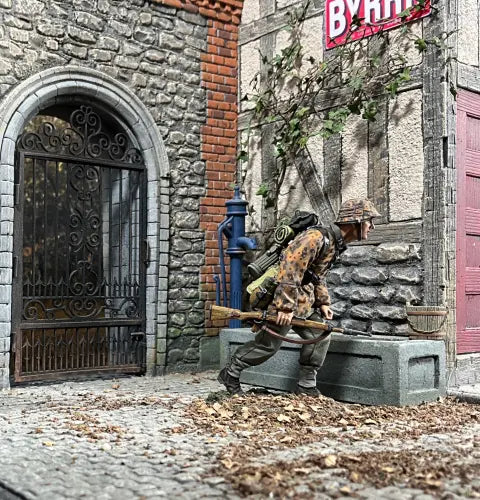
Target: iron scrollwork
<point>84,138</point>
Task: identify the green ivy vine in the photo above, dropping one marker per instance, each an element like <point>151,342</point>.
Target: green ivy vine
<point>292,88</point>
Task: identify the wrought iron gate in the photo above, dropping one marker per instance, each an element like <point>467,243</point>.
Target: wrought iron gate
<point>79,246</point>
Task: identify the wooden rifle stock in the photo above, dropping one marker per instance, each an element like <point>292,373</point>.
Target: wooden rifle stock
<point>219,312</point>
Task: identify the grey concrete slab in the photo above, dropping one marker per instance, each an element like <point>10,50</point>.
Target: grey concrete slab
<point>379,370</point>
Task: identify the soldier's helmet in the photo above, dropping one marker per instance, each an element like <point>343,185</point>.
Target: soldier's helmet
<point>356,210</point>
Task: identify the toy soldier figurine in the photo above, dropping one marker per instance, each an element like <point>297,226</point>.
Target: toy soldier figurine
<point>301,292</point>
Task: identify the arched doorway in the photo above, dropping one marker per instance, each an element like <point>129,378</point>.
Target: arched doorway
<point>80,251</point>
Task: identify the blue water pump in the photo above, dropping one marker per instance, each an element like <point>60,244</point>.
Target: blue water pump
<point>233,227</point>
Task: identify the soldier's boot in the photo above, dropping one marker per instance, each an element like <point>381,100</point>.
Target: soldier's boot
<point>307,391</point>
<point>231,383</point>
<point>307,381</point>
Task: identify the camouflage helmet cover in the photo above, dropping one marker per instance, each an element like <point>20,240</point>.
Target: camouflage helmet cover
<point>356,210</point>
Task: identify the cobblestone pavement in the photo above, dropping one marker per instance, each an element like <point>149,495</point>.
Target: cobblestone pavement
<point>130,438</point>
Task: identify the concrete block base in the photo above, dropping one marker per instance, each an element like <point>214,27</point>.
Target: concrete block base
<point>375,371</point>
<point>209,353</point>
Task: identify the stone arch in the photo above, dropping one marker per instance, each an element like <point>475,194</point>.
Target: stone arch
<point>24,102</point>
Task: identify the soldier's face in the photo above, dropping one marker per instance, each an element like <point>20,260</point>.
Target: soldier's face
<point>367,226</point>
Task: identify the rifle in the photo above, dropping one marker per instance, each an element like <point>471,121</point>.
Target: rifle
<point>219,312</point>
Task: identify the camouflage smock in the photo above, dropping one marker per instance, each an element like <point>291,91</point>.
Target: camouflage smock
<point>304,252</point>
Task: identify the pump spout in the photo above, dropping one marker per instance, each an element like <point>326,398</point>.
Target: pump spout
<point>247,243</point>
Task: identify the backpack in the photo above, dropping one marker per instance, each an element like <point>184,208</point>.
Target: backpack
<point>264,270</point>
<point>282,236</point>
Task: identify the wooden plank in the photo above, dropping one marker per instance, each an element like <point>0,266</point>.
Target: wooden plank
<point>468,101</point>
<point>472,221</point>
<point>410,232</point>
<point>472,280</point>
<point>332,157</point>
<point>378,162</point>
<point>468,223</point>
<point>312,183</point>
<point>468,340</point>
<point>267,25</point>
<point>472,163</point>
<point>461,234</point>
<point>435,165</point>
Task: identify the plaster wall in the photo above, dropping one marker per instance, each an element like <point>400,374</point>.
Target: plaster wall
<point>355,159</point>
<point>250,66</point>
<point>251,175</point>
<point>468,32</point>
<point>292,195</point>
<point>251,11</point>
<point>406,156</point>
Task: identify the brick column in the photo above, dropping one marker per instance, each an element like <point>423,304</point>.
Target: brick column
<point>219,146</point>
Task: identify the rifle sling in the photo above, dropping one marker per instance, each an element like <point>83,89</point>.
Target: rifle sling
<point>295,341</point>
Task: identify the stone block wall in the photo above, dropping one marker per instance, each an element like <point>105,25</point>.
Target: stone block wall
<point>179,59</point>
<point>372,284</point>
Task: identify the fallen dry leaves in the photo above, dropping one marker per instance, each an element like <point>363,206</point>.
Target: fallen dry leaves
<point>426,470</point>
<point>91,428</point>
<point>263,424</point>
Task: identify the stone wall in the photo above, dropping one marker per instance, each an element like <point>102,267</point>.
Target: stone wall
<point>372,284</point>
<point>157,49</point>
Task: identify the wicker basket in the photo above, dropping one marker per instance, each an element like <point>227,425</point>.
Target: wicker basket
<point>426,322</point>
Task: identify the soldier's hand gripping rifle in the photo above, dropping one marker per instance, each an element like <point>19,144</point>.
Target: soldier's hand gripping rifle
<point>261,317</point>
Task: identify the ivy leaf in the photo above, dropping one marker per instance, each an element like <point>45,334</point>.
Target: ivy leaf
<point>302,142</point>
<point>242,156</point>
<point>375,61</point>
<point>293,124</point>
<point>421,44</point>
<point>263,190</point>
<point>405,75</point>
<point>356,83</point>
<point>354,107</point>
<point>405,13</point>
<point>370,111</point>
<point>392,88</point>
<point>301,112</point>
<point>279,150</point>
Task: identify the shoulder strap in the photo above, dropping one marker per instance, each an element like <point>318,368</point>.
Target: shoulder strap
<point>326,238</point>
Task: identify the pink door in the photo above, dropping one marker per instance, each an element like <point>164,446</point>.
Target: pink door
<point>468,222</point>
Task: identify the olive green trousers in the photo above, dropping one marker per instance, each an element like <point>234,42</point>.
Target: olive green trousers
<point>264,346</point>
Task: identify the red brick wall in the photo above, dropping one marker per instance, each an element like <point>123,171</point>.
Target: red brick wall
<point>219,146</point>
<point>219,135</point>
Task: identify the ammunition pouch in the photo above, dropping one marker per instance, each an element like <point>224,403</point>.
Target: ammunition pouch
<point>262,290</point>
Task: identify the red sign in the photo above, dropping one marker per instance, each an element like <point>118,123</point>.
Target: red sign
<point>376,15</point>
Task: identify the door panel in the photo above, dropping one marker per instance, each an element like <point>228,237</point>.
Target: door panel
<point>468,222</point>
